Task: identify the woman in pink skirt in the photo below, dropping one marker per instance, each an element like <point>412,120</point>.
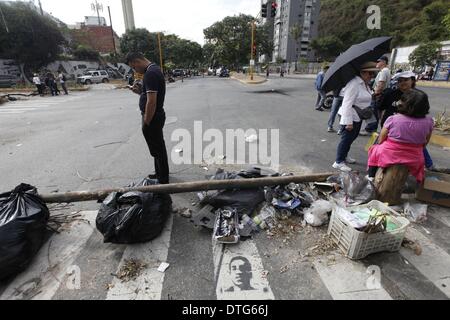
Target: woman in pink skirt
<point>404,137</point>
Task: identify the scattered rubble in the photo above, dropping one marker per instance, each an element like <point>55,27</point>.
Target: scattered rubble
<point>131,270</point>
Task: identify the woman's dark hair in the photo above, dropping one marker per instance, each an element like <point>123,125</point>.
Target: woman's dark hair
<point>414,104</point>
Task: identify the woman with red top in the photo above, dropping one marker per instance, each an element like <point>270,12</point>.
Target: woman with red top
<point>404,137</point>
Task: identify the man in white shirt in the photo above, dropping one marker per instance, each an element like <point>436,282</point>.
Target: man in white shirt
<point>382,82</point>
<point>37,82</point>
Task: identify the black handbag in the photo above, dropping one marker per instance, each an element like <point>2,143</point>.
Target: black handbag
<point>364,114</point>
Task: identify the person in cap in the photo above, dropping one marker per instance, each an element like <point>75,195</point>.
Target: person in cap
<point>406,81</point>
<point>382,82</point>
<point>38,83</point>
<point>356,93</point>
<point>404,137</point>
<point>322,95</point>
<point>152,91</point>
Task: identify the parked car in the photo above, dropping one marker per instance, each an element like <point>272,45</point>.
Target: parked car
<point>178,73</point>
<point>94,76</point>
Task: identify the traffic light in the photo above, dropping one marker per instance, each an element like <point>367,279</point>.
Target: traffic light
<point>274,9</point>
<point>264,10</point>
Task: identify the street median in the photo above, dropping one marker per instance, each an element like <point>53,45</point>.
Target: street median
<point>245,79</point>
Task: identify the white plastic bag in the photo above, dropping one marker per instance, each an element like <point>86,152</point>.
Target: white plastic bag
<point>317,215</point>
<point>416,212</point>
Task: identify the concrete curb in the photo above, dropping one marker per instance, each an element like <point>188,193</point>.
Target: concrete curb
<point>440,140</point>
<point>433,84</point>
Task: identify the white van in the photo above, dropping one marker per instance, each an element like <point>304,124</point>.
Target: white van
<point>94,76</point>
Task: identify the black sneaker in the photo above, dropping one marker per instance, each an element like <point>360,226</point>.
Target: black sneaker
<point>152,176</point>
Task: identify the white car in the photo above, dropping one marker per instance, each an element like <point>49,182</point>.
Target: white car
<point>95,76</point>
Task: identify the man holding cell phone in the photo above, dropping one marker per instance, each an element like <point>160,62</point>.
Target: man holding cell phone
<point>152,91</point>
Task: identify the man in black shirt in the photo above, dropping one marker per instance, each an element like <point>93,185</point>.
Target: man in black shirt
<point>152,91</point>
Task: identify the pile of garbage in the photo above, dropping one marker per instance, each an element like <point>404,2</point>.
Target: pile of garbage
<point>236,214</point>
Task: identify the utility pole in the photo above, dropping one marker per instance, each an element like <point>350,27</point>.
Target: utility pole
<point>97,7</point>
<point>112,30</point>
<point>160,52</point>
<point>4,20</point>
<point>40,7</point>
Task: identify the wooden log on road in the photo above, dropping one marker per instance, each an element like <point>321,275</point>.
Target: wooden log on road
<point>186,187</point>
<point>390,183</point>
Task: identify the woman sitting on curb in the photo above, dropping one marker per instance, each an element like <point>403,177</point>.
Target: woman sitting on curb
<point>404,137</point>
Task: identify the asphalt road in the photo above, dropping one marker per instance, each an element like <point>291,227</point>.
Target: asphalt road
<point>93,140</point>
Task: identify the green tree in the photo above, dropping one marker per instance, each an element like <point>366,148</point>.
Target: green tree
<point>446,21</point>
<point>176,51</point>
<point>295,33</point>
<point>425,54</point>
<point>409,22</point>
<point>31,38</point>
<point>85,53</point>
<point>140,40</point>
<point>231,39</point>
<point>328,47</point>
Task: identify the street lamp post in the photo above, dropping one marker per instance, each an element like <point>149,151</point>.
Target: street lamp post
<point>252,61</point>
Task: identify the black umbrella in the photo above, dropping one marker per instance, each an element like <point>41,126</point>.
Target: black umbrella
<point>347,65</point>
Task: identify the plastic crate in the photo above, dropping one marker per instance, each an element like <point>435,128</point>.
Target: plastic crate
<point>357,245</point>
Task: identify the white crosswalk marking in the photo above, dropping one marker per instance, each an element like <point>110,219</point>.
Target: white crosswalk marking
<point>50,267</point>
<point>148,285</point>
<point>434,263</point>
<point>38,103</point>
<point>239,270</point>
<point>240,273</point>
<point>349,280</point>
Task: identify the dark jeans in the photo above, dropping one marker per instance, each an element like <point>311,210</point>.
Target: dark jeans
<point>154,137</point>
<point>347,139</point>
<point>428,160</point>
<point>321,99</point>
<point>63,86</point>
<point>373,126</point>
<point>337,103</point>
<point>40,89</point>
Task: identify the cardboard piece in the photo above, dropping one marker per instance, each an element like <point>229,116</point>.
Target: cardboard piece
<point>436,189</point>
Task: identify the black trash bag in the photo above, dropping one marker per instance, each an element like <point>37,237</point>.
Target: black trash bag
<point>23,221</point>
<point>133,217</point>
<point>244,201</point>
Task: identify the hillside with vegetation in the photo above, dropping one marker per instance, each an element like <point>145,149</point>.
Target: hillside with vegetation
<point>343,23</point>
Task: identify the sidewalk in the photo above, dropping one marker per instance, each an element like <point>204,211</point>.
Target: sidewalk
<point>292,76</point>
<point>244,78</point>
<point>434,84</point>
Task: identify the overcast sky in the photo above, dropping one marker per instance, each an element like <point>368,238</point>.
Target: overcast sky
<point>185,18</point>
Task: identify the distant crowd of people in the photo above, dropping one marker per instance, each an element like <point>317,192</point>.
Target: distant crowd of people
<point>50,82</point>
